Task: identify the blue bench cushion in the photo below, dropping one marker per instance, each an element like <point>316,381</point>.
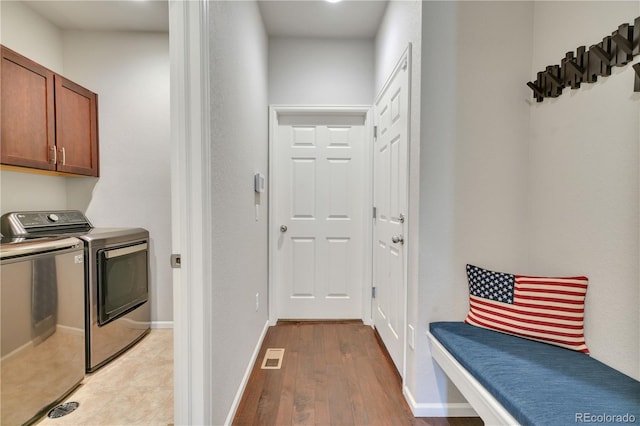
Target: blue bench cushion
<point>541,384</point>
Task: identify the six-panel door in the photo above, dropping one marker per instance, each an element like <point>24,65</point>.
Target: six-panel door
<point>319,193</point>
<point>391,113</point>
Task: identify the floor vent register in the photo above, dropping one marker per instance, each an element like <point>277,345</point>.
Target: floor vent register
<point>273,359</point>
<point>63,409</point>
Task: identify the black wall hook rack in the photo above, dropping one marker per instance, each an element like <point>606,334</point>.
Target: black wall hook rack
<point>585,66</point>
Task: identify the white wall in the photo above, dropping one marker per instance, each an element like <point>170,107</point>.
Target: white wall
<point>239,148</point>
<point>475,128</point>
<point>31,35</point>
<point>584,196</point>
<point>435,296</point>
<point>27,33</point>
<point>400,25</point>
<point>307,71</point>
<point>130,73</point>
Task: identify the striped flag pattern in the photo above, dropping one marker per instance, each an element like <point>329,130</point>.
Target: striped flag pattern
<point>545,309</point>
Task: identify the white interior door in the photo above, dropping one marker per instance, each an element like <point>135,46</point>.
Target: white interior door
<point>391,114</point>
<point>320,189</point>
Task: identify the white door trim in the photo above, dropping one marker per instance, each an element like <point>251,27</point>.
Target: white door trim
<point>274,112</point>
<point>191,210</point>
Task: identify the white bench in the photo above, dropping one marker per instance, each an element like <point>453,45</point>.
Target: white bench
<point>487,407</point>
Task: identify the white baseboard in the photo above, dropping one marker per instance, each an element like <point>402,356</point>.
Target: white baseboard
<point>462,409</point>
<point>247,374</point>
<point>161,324</point>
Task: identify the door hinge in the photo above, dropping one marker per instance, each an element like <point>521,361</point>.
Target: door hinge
<point>375,212</point>
<point>373,292</point>
<point>375,132</point>
<point>53,158</point>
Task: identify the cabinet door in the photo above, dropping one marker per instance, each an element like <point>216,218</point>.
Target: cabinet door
<point>27,110</point>
<point>76,128</point>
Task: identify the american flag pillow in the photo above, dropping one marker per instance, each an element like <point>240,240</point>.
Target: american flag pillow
<point>546,309</point>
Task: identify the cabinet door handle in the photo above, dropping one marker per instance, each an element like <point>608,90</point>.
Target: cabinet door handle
<point>64,157</point>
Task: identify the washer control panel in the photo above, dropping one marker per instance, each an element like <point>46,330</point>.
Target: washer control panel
<point>26,224</point>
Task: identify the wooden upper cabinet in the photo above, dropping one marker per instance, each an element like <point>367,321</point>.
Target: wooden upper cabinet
<point>76,128</point>
<point>48,122</point>
<point>28,121</point>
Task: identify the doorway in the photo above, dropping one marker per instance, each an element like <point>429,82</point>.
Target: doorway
<point>320,181</point>
<point>333,256</point>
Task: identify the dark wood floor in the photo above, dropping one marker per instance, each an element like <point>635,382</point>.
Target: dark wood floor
<point>332,374</point>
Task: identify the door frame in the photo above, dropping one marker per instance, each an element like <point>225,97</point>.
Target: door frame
<point>275,111</point>
<point>191,210</point>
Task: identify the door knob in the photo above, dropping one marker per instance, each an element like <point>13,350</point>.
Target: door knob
<point>283,228</point>
<point>397,239</point>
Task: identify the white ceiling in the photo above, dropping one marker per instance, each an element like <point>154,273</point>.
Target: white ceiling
<point>318,18</point>
<point>104,15</point>
<point>289,18</point>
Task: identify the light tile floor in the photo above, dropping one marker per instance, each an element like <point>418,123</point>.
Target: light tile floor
<point>134,389</point>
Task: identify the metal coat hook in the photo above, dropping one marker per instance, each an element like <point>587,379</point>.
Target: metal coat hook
<point>537,91</point>
<point>604,56</point>
<point>553,72</point>
<point>622,42</point>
